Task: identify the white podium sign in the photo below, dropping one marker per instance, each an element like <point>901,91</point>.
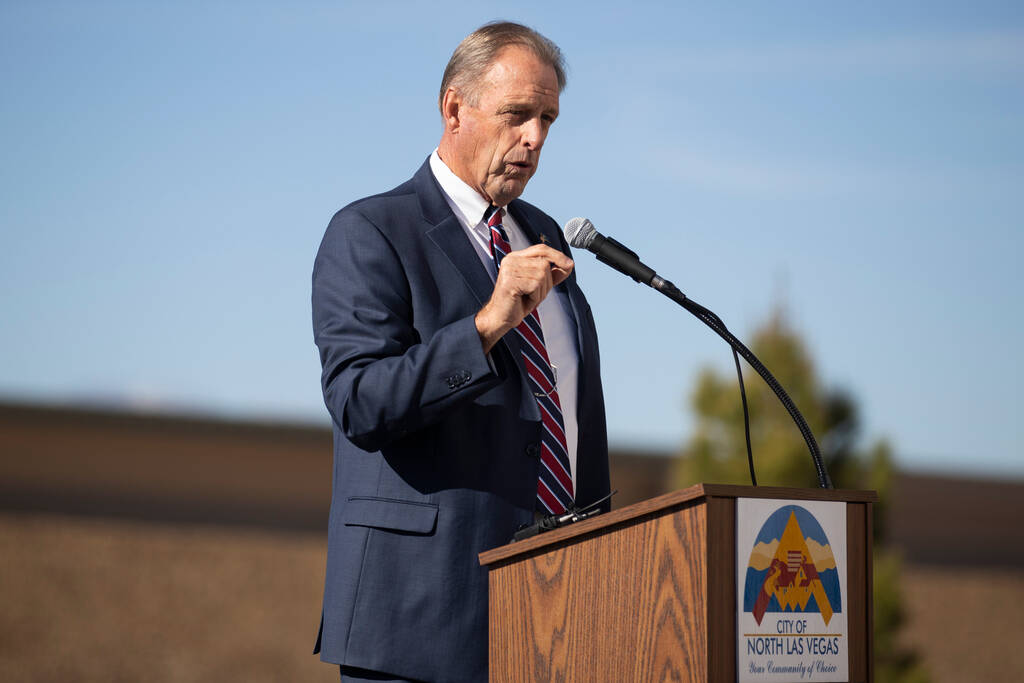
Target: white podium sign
<point>791,591</point>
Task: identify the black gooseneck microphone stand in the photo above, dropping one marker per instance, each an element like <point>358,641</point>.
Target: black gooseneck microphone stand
<point>580,232</point>
<point>715,323</point>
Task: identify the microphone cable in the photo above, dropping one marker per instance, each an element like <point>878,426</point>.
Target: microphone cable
<point>715,323</point>
<point>739,377</point>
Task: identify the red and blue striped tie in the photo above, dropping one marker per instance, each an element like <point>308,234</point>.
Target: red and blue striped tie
<point>554,488</point>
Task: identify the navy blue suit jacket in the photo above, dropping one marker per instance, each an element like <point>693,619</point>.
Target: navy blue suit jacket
<point>436,450</point>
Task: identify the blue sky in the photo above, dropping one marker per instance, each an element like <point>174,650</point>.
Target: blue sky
<point>168,170</point>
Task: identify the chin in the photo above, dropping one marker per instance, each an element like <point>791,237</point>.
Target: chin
<point>509,191</point>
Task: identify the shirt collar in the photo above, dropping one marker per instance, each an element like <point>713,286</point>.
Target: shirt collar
<point>465,200</point>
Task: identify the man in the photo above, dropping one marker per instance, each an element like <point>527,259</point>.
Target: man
<point>452,429</point>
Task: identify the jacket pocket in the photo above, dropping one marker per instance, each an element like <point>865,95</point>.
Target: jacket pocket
<point>388,513</point>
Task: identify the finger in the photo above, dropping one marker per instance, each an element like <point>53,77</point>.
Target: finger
<point>533,283</point>
<point>526,267</point>
<point>558,264</point>
<point>526,283</point>
<point>558,275</point>
<point>556,257</point>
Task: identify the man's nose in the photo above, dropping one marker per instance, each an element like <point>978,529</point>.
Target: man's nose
<point>534,133</point>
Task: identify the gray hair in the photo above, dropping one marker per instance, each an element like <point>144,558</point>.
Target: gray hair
<point>477,52</point>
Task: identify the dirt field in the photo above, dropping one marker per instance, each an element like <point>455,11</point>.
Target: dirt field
<point>94,600</point>
<point>966,622</point>
<point>113,600</point>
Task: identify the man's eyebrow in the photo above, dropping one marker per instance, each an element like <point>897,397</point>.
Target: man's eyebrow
<point>506,107</point>
<point>509,106</point>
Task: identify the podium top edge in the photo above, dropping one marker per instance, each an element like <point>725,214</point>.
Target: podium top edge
<point>696,493</point>
<point>735,491</point>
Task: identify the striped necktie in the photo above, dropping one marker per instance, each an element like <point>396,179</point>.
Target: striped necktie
<point>554,488</point>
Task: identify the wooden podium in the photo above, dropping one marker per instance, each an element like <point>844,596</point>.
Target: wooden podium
<point>649,592</point>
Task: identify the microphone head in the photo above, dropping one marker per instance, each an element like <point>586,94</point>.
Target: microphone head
<point>580,232</point>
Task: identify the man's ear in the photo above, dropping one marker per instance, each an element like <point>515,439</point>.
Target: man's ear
<point>451,105</point>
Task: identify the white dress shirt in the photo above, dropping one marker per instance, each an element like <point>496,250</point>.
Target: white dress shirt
<point>555,317</point>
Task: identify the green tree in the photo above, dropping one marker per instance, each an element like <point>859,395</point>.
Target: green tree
<point>717,453</point>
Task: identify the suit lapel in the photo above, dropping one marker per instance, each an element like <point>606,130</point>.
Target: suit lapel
<point>446,232</point>
<point>449,236</point>
<point>451,239</point>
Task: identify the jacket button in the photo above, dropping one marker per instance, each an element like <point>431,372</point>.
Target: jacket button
<point>533,450</point>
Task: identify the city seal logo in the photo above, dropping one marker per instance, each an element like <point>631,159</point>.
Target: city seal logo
<point>790,587</point>
<point>791,568</point>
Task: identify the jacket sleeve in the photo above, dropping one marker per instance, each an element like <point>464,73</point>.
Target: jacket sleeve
<point>380,380</point>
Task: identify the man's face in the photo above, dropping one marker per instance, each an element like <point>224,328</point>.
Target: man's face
<point>498,139</point>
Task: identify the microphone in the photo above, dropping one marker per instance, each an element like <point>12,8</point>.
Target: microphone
<point>581,233</point>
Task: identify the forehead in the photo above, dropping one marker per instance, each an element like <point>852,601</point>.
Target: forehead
<point>518,73</point>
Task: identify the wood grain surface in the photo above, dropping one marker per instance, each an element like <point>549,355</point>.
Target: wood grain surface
<point>721,584</point>
<point>630,602</point>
